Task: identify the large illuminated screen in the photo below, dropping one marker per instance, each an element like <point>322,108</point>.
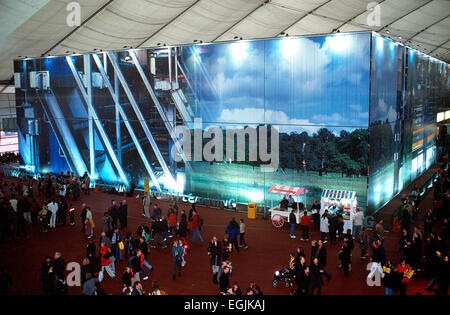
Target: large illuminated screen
<point>301,105</point>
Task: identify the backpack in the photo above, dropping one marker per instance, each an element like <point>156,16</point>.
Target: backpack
<point>200,221</point>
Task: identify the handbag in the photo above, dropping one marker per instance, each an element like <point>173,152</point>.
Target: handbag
<point>92,223</point>
<point>121,246</point>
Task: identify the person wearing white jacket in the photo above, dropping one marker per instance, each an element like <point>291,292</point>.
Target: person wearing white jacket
<point>146,201</point>
<point>324,226</point>
<point>53,208</point>
<point>358,221</point>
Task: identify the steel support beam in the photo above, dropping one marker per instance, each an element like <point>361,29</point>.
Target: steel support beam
<point>116,107</point>
<point>140,117</point>
<point>88,74</point>
<point>103,136</point>
<point>159,107</point>
<point>63,133</point>
<point>122,113</point>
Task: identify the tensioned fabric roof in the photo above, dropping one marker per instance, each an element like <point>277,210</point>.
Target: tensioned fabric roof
<point>34,28</point>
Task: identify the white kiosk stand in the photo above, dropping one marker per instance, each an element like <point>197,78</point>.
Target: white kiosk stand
<point>333,200</point>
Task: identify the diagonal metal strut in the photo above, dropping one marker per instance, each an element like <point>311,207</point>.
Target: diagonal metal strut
<point>127,123</point>
<point>141,118</point>
<point>102,133</point>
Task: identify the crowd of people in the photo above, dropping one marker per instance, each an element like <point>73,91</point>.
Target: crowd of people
<point>9,157</point>
<point>421,247</point>
<point>47,200</point>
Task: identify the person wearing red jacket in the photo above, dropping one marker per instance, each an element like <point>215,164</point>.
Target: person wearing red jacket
<point>105,256</point>
<point>141,258</point>
<point>405,269</point>
<point>172,222</point>
<point>305,222</point>
<point>195,227</point>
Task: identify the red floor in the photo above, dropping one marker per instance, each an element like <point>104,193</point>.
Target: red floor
<point>268,250</point>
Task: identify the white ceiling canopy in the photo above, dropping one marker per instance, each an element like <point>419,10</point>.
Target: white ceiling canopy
<point>34,28</point>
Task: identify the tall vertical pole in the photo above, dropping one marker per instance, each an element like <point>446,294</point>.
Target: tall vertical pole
<point>88,76</point>
<point>117,104</point>
<point>170,66</point>
<point>176,67</point>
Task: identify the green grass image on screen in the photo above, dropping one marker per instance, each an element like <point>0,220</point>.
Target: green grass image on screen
<point>245,183</point>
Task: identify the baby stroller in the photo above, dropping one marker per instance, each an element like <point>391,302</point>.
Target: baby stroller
<point>286,275</point>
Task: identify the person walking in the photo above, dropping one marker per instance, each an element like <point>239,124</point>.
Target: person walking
<point>89,222</point>
<point>107,222</point>
<point>324,226</point>
<point>172,223</point>
<point>344,256</point>
<point>379,228</point>
<point>195,227</point>
<point>321,255</point>
<point>428,221</point>
<point>117,244</point>
<point>233,231</point>
<point>141,259</point>
<point>182,227</point>
<point>292,222</point>
<point>315,277</point>
<point>72,215</point>
<point>358,221</point>
<point>305,222</point>
<point>106,262</point>
<point>224,280</point>
<point>364,242</point>
<point>405,269</point>
<point>215,253</point>
<point>146,201</point>
<point>123,214</point>
<point>59,266</point>
<point>53,208</point>
<point>177,254</point>
<point>242,241</point>
<point>315,210</point>
<point>83,217</point>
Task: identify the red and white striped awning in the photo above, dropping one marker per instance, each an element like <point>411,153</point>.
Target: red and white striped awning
<point>287,190</point>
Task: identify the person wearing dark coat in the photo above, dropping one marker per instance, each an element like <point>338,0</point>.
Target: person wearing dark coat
<point>47,276</point>
<point>391,279</point>
<point>304,281</point>
<point>315,277</point>
<point>59,266</point>
<point>322,257</point>
<point>83,216</point>
<point>233,231</point>
<point>334,222</point>
<point>215,252</point>
<point>182,227</point>
<point>224,280</point>
<point>123,214</point>
<point>344,256</point>
<point>90,248</point>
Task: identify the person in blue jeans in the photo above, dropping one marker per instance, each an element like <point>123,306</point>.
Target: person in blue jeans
<point>177,255</point>
<point>195,227</point>
<point>292,221</point>
<point>142,261</point>
<point>116,239</point>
